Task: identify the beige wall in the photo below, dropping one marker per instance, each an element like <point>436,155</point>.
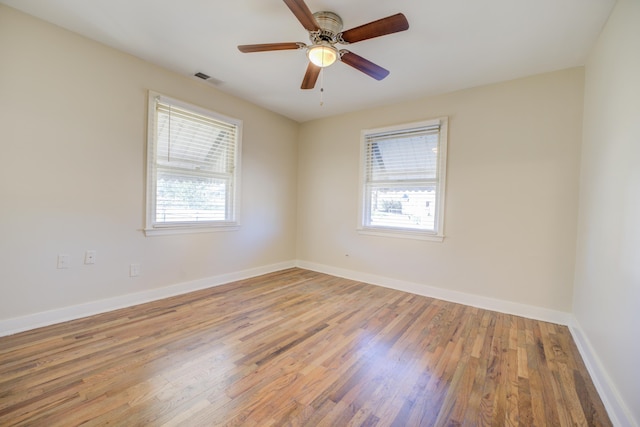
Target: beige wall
<point>512,185</point>
<point>607,278</point>
<point>72,144</point>
<point>73,113</point>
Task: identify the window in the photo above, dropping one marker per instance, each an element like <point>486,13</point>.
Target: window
<point>403,180</point>
<point>192,168</point>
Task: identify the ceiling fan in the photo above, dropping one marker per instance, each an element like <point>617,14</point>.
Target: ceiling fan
<point>325,31</point>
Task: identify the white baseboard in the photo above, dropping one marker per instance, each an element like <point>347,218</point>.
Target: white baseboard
<point>617,410</point>
<point>529,311</point>
<point>619,413</point>
<point>46,318</point>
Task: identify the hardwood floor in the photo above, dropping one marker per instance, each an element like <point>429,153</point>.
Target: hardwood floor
<point>297,348</point>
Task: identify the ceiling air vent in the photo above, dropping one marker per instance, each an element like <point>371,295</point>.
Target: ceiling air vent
<point>211,80</point>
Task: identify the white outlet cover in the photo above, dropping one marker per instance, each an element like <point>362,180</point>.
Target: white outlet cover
<point>63,261</point>
<point>134,270</point>
<point>90,257</point>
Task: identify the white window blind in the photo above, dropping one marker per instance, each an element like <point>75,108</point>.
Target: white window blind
<point>403,178</point>
<point>193,166</point>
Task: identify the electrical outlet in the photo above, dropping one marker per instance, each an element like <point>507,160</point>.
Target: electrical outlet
<point>134,270</point>
<point>90,257</point>
<point>63,261</point>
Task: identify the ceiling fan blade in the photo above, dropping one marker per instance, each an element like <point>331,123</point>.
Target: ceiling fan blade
<point>310,77</point>
<point>381,27</point>
<point>265,47</point>
<point>364,65</point>
<point>304,15</point>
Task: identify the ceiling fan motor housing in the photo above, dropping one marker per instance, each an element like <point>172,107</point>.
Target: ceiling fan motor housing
<point>325,31</point>
<point>330,26</point>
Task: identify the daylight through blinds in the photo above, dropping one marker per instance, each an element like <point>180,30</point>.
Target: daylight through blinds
<point>401,178</point>
<point>195,160</point>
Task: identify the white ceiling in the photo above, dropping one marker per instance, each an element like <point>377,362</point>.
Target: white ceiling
<point>450,45</point>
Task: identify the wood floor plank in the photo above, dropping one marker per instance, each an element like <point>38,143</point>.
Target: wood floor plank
<point>297,348</point>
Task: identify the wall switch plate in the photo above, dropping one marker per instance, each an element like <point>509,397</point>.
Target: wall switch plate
<point>90,257</point>
<point>63,261</point>
<point>134,270</point>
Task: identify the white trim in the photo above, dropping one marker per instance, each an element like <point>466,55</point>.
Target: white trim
<point>153,228</point>
<point>46,318</point>
<point>442,124</point>
<point>36,320</point>
<point>508,307</point>
<point>165,231</point>
<point>617,410</point>
<point>443,147</point>
<point>380,232</point>
<point>615,406</point>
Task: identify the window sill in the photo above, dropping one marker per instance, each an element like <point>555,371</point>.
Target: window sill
<point>401,234</point>
<point>172,230</point>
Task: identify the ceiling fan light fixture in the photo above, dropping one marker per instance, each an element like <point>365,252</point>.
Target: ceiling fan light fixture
<point>322,55</point>
<point>325,32</point>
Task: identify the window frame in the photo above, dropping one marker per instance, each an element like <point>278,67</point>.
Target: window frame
<point>152,227</point>
<point>440,184</point>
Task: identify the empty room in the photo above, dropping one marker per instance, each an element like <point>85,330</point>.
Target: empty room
<point>318,212</point>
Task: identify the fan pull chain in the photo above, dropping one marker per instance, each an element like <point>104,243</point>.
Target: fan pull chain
<point>322,86</point>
